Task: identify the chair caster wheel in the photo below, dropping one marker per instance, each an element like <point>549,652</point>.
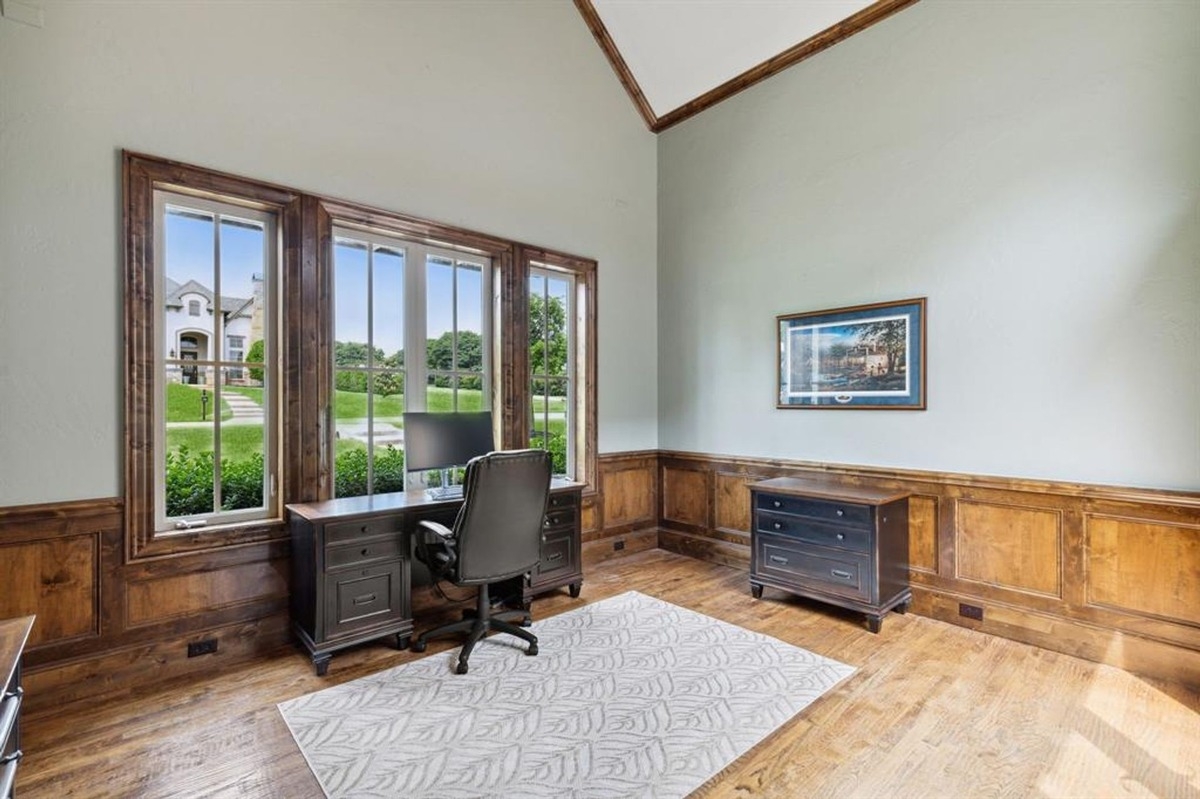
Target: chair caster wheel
<point>462,667</point>
<point>532,650</point>
<point>417,645</point>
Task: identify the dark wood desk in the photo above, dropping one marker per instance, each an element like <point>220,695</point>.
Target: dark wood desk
<point>352,565</point>
<point>14,633</point>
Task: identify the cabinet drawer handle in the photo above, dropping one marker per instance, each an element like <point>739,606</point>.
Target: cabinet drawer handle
<point>777,559</point>
<point>839,573</point>
<point>546,523</point>
<point>777,504</point>
<point>841,536</point>
<point>366,552</point>
<point>777,526</point>
<point>17,755</point>
<point>363,529</point>
<point>841,512</point>
<point>364,599</point>
<point>554,557</point>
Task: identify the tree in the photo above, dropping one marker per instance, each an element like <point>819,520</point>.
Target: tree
<point>548,318</point>
<point>256,354</point>
<point>439,355</point>
<point>889,335</point>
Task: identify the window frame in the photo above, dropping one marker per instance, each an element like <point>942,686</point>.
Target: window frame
<point>144,176</point>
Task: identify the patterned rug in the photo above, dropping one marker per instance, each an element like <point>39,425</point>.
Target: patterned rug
<point>630,696</point>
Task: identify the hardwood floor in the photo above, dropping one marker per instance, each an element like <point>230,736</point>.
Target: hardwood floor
<point>934,710</point>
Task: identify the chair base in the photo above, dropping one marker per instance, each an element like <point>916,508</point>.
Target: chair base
<point>483,622</point>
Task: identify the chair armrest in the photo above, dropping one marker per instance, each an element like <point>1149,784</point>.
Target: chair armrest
<point>440,530</point>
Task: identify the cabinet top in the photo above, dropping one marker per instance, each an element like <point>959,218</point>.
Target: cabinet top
<point>415,499</point>
<point>13,635</point>
<point>818,489</point>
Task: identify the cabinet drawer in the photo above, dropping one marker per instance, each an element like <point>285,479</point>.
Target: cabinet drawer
<point>10,709</point>
<point>363,528</point>
<point>558,556</point>
<point>566,500</point>
<point>561,517</point>
<point>826,510</point>
<point>362,552</point>
<point>855,539</point>
<point>841,573</point>
<point>364,596</point>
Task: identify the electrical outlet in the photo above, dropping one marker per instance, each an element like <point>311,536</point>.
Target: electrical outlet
<point>970,611</point>
<point>206,647</point>
<point>618,545</point>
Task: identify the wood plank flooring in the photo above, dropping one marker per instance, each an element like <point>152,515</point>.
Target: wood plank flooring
<point>933,711</point>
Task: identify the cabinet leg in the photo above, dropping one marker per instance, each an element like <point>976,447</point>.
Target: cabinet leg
<point>321,663</point>
<point>401,641</point>
<point>575,588</point>
<point>874,623</point>
<point>756,591</point>
<point>903,607</point>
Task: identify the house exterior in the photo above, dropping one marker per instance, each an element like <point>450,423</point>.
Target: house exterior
<point>189,331</point>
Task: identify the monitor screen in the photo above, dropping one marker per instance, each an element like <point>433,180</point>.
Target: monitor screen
<point>442,440</point>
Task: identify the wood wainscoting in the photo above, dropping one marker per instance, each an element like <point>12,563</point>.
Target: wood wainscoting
<point>1104,573</point>
<point>107,625</point>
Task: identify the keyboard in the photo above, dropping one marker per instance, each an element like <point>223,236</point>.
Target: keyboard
<point>449,492</point>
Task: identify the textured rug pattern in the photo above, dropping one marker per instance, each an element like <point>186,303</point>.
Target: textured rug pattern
<point>629,696</point>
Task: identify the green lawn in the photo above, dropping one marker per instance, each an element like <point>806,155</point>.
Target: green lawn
<point>184,404</point>
<point>238,442</point>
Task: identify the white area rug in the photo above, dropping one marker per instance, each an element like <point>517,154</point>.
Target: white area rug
<point>630,696</point>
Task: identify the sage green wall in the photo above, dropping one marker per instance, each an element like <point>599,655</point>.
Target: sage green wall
<point>502,117</point>
<point>1032,168</point>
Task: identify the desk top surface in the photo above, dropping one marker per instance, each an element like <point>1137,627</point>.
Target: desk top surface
<point>414,499</point>
<point>818,489</point>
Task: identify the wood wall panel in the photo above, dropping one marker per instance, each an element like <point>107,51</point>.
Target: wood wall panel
<point>1107,573</point>
<point>629,492</point>
<point>1009,546</point>
<point>731,502</point>
<point>164,598</point>
<point>923,533</point>
<point>56,579</point>
<point>685,496</point>
<point>1144,567</point>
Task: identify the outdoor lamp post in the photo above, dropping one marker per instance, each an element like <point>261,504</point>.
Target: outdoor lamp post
<point>204,404</point>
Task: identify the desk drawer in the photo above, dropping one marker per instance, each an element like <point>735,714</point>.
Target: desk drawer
<point>363,528</point>
<point>560,518</point>
<point>855,539</point>
<point>365,596</point>
<point>826,510</point>
<point>558,557</point>
<point>832,571</point>
<point>364,552</point>
<point>566,499</point>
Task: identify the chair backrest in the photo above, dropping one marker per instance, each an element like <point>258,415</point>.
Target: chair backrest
<point>499,528</point>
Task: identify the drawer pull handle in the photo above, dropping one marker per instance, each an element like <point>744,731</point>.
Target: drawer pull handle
<point>17,755</point>
<point>554,557</point>
<point>363,528</point>
<point>841,512</point>
<point>546,523</point>
<point>366,552</point>
<point>839,573</point>
<point>777,504</point>
<point>778,526</point>
<point>777,559</point>
<point>841,536</point>
<point>364,599</point>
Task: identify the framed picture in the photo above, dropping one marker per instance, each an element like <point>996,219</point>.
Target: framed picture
<point>868,356</point>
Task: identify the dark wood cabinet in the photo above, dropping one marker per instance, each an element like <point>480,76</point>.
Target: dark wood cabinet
<point>844,546</point>
<point>352,564</point>
<point>14,633</point>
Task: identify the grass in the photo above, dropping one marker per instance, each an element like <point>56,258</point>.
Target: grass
<point>184,405</point>
<point>238,442</point>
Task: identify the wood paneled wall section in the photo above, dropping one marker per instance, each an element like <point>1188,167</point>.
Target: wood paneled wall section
<point>1104,573</point>
<point>105,625</point>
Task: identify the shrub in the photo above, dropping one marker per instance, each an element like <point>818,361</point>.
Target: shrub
<point>190,482</point>
<point>350,471</point>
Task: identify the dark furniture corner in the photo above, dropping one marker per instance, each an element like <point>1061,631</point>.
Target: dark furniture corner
<point>846,546</point>
<point>497,536</point>
<point>14,634</point>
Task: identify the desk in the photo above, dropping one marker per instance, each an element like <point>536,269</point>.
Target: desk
<point>14,633</point>
<point>352,564</point>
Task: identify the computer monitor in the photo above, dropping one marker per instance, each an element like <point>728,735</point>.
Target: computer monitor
<point>445,440</point>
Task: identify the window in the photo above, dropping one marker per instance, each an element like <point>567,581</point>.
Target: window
<point>561,361</point>
<point>397,325</point>
<point>213,421</point>
<point>193,307</point>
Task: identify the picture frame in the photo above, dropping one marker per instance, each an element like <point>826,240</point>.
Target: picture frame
<point>861,357</point>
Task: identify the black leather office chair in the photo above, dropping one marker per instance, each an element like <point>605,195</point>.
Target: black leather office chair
<point>497,536</point>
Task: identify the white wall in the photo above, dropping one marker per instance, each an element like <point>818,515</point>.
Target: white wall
<point>503,117</point>
<point>1032,168</point>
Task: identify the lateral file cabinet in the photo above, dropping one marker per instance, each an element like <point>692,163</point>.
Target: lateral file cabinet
<point>561,558</point>
<point>843,546</point>
<point>14,633</point>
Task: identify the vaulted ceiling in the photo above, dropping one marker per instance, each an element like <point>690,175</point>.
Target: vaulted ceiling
<point>676,57</point>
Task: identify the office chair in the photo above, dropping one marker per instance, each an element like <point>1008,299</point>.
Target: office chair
<point>497,536</point>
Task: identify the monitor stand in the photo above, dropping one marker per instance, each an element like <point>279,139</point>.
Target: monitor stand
<point>445,490</point>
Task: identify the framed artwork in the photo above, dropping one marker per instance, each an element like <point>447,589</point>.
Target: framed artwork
<point>868,356</point>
